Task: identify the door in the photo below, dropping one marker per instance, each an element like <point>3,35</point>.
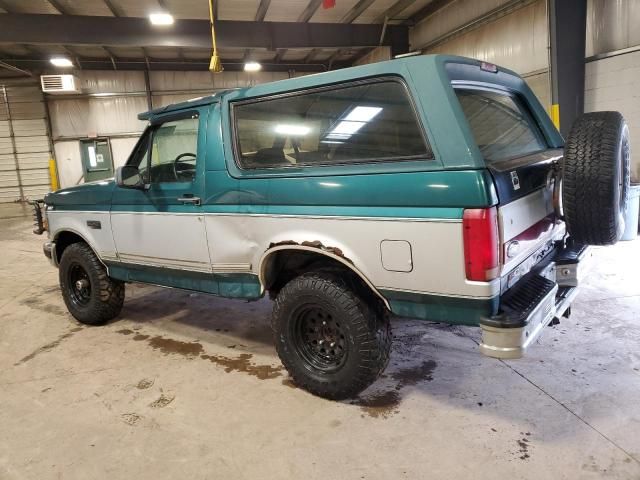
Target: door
<point>162,225</point>
<point>96,159</point>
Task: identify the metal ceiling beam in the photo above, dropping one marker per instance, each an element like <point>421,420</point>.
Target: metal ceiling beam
<point>13,68</point>
<point>428,10</point>
<point>55,4</point>
<point>129,31</point>
<point>231,65</point>
<point>115,11</point>
<point>5,6</point>
<point>262,10</point>
<point>395,9</point>
<point>309,11</point>
<point>311,55</point>
<point>357,10</point>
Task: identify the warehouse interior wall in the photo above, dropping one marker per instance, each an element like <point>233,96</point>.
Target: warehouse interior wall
<point>517,38</point>
<point>612,75</point>
<point>111,101</point>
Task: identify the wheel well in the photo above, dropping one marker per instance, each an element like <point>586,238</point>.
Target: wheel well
<point>64,239</point>
<point>282,266</point>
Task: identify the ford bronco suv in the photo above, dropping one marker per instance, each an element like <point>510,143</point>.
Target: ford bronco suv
<point>433,187</point>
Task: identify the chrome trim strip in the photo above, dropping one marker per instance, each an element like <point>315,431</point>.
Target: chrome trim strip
<point>453,295</point>
<point>270,215</point>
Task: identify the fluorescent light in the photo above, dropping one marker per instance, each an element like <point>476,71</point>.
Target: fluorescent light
<point>297,130</point>
<point>363,114</point>
<point>61,62</point>
<point>252,67</point>
<point>346,128</point>
<point>161,19</point>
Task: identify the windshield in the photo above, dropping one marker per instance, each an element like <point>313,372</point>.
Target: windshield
<point>501,124</point>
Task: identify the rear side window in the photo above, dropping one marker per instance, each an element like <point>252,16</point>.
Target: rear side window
<point>501,124</point>
<point>351,124</point>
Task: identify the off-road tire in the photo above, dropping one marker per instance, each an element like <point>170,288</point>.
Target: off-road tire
<point>595,178</point>
<point>106,296</point>
<point>364,324</point>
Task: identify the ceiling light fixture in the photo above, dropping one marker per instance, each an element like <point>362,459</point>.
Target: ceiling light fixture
<point>61,62</point>
<point>161,19</point>
<point>252,67</point>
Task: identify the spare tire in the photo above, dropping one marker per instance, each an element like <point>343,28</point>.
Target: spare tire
<point>595,178</point>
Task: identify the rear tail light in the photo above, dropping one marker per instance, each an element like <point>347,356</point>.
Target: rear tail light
<point>481,248</point>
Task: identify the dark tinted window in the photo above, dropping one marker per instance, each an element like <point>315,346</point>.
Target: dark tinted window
<point>352,124</point>
<point>501,124</point>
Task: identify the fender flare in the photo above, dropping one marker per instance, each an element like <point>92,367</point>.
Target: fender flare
<point>270,251</point>
<point>54,238</point>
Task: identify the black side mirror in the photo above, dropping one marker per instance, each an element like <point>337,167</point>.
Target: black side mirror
<point>128,176</point>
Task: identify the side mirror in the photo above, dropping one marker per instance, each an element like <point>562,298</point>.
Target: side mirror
<point>128,176</point>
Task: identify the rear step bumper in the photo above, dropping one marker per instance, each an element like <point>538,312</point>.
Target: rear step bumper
<point>533,303</point>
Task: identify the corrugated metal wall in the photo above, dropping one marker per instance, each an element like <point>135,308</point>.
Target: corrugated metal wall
<point>24,143</point>
<point>517,40</point>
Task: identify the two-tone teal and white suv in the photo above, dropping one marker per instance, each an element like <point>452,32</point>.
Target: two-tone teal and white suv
<point>433,187</point>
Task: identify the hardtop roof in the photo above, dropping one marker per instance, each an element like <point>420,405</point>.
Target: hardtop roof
<point>398,66</point>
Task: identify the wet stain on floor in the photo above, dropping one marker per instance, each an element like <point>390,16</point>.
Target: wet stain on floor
<point>410,376</point>
<point>169,346</point>
<point>243,364</point>
<point>380,404</point>
<point>49,346</point>
<point>385,403</point>
<point>37,303</point>
<point>287,382</point>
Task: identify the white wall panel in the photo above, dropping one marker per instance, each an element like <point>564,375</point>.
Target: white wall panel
<point>612,25</point>
<point>68,162</point>
<point>517,41</point>
<point>614,84</point>
<point>121,148</point>
<point>79,117</point>
<point>447,19</point>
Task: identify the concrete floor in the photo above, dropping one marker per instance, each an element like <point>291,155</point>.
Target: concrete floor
<point>184,385</point>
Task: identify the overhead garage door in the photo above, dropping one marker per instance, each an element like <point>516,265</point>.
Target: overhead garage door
<point>24,144</point>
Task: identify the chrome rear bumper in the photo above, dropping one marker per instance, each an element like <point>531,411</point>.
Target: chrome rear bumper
<point>533,303</point>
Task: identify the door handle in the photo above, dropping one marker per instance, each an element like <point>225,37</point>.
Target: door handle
<point>189,199</point>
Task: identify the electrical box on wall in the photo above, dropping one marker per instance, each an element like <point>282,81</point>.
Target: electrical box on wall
<point>60,84</point>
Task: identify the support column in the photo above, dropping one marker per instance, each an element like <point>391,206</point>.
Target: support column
<point>567,30</point>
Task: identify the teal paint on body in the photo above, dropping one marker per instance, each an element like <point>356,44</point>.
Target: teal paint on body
<point>229,285</point>
<point>440,308</point>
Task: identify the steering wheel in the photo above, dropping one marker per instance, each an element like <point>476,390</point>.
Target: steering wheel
<point>182,170</point>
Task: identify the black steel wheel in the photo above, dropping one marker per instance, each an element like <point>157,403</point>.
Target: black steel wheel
<point>78,285</point>
<point>333,341</point>
<point>320,338</point>
<point>90,295</point>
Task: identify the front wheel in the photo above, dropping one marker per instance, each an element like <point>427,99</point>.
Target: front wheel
<point>90,295</point>
<point>332,342</point>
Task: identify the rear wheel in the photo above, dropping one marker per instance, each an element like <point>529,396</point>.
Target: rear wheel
<point>596,178</point>
<point>90,295</point>
<point>331,341</point>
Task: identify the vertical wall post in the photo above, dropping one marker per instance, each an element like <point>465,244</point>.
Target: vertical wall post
<point>147,87</point>
<point>567,31</point>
